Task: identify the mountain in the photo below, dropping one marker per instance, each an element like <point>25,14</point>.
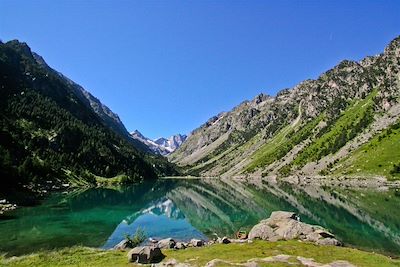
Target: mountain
<point>52,131</point>
<point>332,125</point>
<point>172,143</point>
<point>108,117</point>
<point>161,146</point>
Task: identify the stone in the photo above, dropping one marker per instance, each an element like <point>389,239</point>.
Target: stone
<point>286,225</point>
<point>323,233</point>
<point>145,254</point>
<point>292,229</point>
<point>197,242</point>
<point>166,243</point>
<point>170,263</point>
<point>180,245</point>
<point>223,240</point>
<point>309,262</point>
<point>329,242</point>
<point>313,237</point>
<point>264,232</point>
<point>281,258</point>
<point>339,264</point>
<point>281,215</point>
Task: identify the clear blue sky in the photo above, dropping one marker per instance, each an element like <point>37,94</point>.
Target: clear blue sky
<point>167,66</point>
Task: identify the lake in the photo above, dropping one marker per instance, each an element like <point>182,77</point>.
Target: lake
<point>185,209</point>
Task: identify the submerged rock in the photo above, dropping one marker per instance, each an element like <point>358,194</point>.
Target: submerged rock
<point>145,254</point>
<point>286,225</point>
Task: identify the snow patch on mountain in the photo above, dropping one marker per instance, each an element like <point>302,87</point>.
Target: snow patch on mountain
<point>162,146</point>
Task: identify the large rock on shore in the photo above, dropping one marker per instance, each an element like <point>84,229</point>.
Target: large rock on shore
<point>283,225</point>
<point>146,254</point>
<point>197,243</point>
<point>166,243</point>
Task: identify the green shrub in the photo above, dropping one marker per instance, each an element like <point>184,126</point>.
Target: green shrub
<point>137,238</point>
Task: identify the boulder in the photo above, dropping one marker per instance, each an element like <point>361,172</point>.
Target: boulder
<point>282,215</point>
<point>293,229</point>
<point>145,254</point>
<point>180,245</point>
<point>286,225</point>
<point>223,240</point>
<point>166,243</point>
<point>323,233</point>
<point>263,231</point>
<point>197,242</point>
<point>170,263</point>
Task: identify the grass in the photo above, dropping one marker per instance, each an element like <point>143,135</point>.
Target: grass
<point>351,122</point>
<point>75,256</point>
<point>235,253</point>
<point>281,144</point>
<point>261,249</point>
<point>377,157</point>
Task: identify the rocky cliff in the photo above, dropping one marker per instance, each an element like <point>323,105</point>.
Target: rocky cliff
<point>308,129</point>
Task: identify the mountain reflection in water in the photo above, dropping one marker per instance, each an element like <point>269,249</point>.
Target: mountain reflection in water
<point>185,209</point>
<point>161,220</point>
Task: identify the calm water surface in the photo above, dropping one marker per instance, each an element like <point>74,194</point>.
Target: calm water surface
<point>185,209</point>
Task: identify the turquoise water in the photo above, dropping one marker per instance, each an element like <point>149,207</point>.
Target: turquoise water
<point>185,209</point>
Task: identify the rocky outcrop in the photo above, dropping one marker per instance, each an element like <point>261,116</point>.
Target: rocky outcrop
<point>282,225</point>
<point>146,254</point>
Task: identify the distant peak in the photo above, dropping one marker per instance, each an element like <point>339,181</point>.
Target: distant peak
<point>261,98</point>
<point>137,133</point>
<point>393,45</point>
<point>21,47</point>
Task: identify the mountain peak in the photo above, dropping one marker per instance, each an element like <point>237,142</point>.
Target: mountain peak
<point>138,134</point>
<point>393,46</point>
<point>20,47</point>
<point>162,146</point>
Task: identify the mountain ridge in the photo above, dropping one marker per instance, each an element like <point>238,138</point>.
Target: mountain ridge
<point>162,146</point>
<point>50,135</point>
<point>110,118</point>
<point>259,132</point>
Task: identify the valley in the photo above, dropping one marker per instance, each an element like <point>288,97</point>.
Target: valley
<point>76,182</point>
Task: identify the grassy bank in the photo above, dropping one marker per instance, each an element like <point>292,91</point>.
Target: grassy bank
<point>234,253</point>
